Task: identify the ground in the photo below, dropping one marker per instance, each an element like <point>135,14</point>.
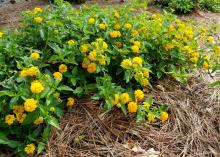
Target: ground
<point>193,128</point>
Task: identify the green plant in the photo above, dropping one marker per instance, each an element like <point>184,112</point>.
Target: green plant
<point>108,53</point>
<point>211,5</point>
<point>182,6</point>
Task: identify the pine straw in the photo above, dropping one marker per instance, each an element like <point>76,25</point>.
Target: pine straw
<point>192,129</point>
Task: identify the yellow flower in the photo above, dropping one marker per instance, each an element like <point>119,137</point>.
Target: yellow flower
<point>115,34</point>
<point>154,16</point>
<point>9,119</point>
<point>85,63</point>
<point>139,95</point>
<point>137,43</point>
<point>126,64</point>
<point>102,26</point>
<point>172,28</point>
<point>104,45</point>
<point>38,19</point>
<point>132,107</point>
<point>195,54</point>
<point>35,56</point>
<point>30,105</point>
<point>145,82</point>
<point>58,76</point>
<point>206,57</point>
<point>128,26</point>
<point>169,47</point>
<point>117,26</point>
<point>135,49</point>
<point>91,68</point>
<point>151,117</point>
<point>134,32</point>
<point>39,120</point>
<point>92,55</point>
<point>52,109</point>
<point>125,98</point>
<point>62,68</point>
<point>146,73</point>
<point>20,117</point>
<point>30,149</point>
<point>84,48</point>
<point>210,39</point>
<point>116,14</point>
<point>18,109</point>
<point>137,60</point>
<point>70,42</point>
<point>33,71</point>
<point>91,21</point>
<point>37,10</point>
<point>116,100</point>
<point>118,44</point>
<point>205,65</point>
<point>99,39</point>
<point>70,101</point>
<point>1,34</point>
<point>36,87</point>
<point>164,116</point>
<point>194,59</point>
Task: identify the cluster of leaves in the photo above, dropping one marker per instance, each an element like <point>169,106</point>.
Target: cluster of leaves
<point>187,6</point>
<point>110,52</point>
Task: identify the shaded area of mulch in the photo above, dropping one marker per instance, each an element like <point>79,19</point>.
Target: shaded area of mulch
<point>192,129</point>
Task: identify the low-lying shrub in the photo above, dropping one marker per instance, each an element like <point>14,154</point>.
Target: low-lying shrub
<point>60,54</point>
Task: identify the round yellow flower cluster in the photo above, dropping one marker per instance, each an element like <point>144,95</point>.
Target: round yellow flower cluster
<point>18,110</point>
<point>70,42</point>
<point>62,68</point>
<point>70,102</point>
<point>115,34</point>
<point>30,105</point>
<point>102,26</point>
<point>38,19</point>
<point>30,149</point>
<point>32,71</point>
<point>58,75</point>
<point>9,119</point>
<point>91,21</point>
<point>36,87</point>
<point>37,10</point>
<point>35,56</point>
<point>39,120</point>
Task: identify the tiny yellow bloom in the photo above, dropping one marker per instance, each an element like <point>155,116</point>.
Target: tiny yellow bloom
<point>30,105</point>
<point>91,21</point>
<point>20,117</point>
<point>117,26</point>
<point>18,109</point>
<point>9,119</point>
<point>118,44</point>
<point>164,116</point>
<point>104,45</point>
<point>126,64</point>
<point>151,117</point>
<point>132,107</point>
<point>205,65</point>
<point>194,59</point>
<point>146,73</point>
<point>84,48</point>
<point>36,87</point>
<point>139,94</point>
<point>37,10</point>
<point>128,26</point>
<point>70,101</point>
<point>102,60</point>
<point>70,42</point>
<point>1,34</point>
<point>38,19</point>
<point>137,43</point>
<point>35,56</point>
<point>39,120</point>
<point>115,34</point>
<point>195,54</point>
<point>125,98</point>
<point>116,99</point>
<point>58,76</point>
<point>116,14</point>
<point>102,26</point>
<point>92,55</point>
<point>91,68</point>
<point>137,60</point>
<point>135,49</point>
<point>145,82</point>
<point>63,68</point>
<point>30,149</point>
<point>210,39</point>
<point>146,105</point>
<point>134,32</point>
<point>32,71</point>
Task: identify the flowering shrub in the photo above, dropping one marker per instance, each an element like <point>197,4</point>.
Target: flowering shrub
<point>55,58</point>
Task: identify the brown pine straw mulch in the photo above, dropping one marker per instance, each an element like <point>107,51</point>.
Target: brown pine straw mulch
<point>193,129</point>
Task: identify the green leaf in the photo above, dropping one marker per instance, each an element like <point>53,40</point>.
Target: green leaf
<point>215,84</point>
<point>40,147</point>
<point>35,133</point>
<point>64,88</point>
<point>140,115</point>
<point>95,97</point>
<point>6,93</point>
<point>78,90</point>
<point>46,134</point>
<point>107,106</point>
<point>53,121</point>
<point>13,101</point>
<point>149,100</point>
<point>123,109</point>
